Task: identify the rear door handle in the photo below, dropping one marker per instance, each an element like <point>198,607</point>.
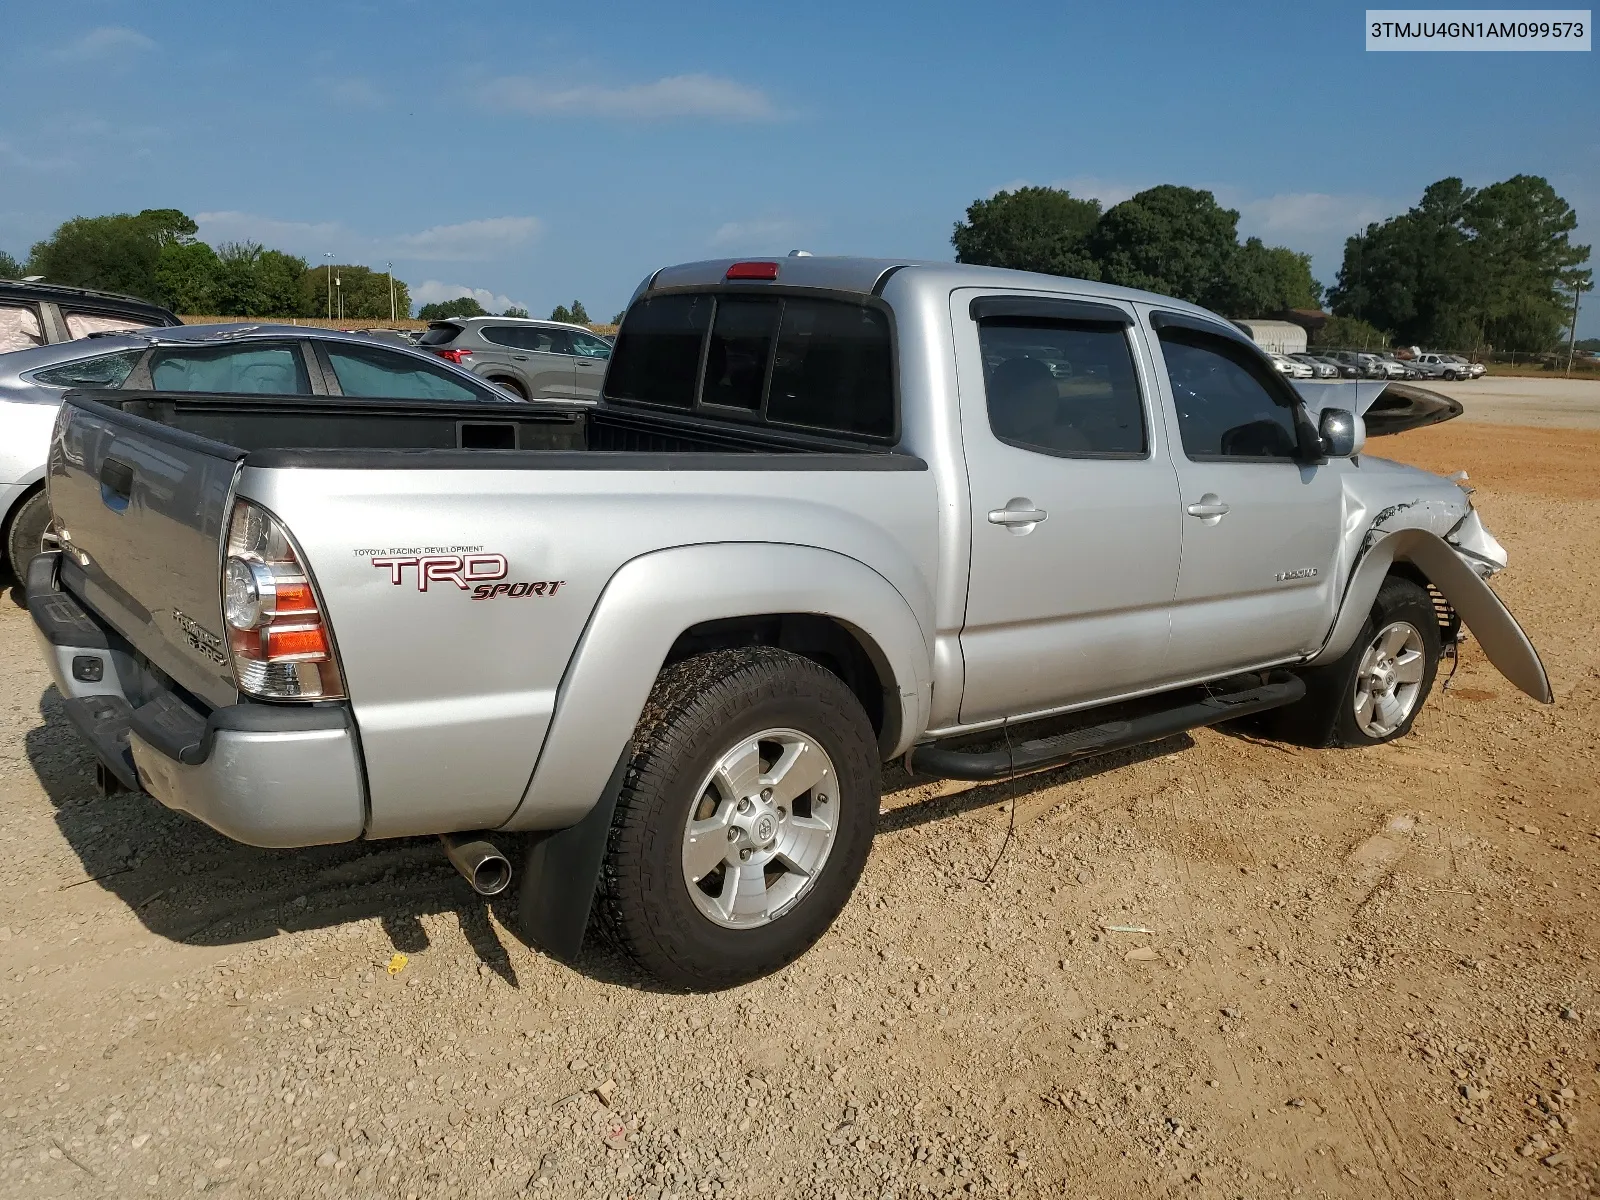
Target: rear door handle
<point>1209,505</point>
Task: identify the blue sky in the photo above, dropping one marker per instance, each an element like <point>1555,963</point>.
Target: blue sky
<point>545,153</point>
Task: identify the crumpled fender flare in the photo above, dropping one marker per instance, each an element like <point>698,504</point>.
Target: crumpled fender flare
<point>650,600</point>
<point>1503,641</point>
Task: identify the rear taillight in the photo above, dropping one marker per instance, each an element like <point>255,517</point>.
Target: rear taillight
<point>456,356</point>
<point>278,641</point>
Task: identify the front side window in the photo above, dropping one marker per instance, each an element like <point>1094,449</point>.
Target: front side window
<point>368,372</point>
<point>101,371</point>
<point>1062,388</point>
<point>248,369</point>
<point>83,324</point>
<point>19,327</point>
<point>586,345</point>
<point>1227,406</point>
<point>657,356</point>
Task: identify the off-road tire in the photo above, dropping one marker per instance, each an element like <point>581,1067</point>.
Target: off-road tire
<point>25,533</point>
<point>700,708</point>
<point>1326,716</point>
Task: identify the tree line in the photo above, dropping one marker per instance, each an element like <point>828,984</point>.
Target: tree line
<point>1466,268</point>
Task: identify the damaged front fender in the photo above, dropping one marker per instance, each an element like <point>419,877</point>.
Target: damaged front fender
<point>1503,641</point>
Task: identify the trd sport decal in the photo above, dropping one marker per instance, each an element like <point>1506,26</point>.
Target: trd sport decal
<point>480,574</point>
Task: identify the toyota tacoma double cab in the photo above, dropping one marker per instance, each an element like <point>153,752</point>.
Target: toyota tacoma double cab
<point>828,514</point>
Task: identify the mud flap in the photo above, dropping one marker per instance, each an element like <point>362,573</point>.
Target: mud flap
<point>561,873</point>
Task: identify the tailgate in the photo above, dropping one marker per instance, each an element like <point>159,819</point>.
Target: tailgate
<point>141,510</point>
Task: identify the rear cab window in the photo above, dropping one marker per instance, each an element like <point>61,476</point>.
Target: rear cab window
<point>366,371</point>
<point>795,361</point>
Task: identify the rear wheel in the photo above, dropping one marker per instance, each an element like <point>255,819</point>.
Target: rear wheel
<point>1373,692</point>
<point>744,820</point>
<point>25,533</point>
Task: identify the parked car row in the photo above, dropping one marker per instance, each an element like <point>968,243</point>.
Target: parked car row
<point>1354,364</point>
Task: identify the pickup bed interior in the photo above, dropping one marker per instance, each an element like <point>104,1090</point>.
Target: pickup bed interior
<point>347,432</point>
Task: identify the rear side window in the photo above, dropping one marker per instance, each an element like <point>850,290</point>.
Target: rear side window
<point>81,324</point>
<point>1062,389</point>
<point>378,373</point>
<point>1228,404</point>
<point>820,364</point>
<point>657,357</point>
<point>19,327</point>
<point>247,369</point>
<point>440,335</point>
<point>101,371</point>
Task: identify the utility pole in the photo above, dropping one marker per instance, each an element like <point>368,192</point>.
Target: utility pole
<point>328,254</point>
<point>338,286</point>
<point>1572,338</point>
<point>390,268</point>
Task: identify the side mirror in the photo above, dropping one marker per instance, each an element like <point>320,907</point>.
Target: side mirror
<point>1341,432</point>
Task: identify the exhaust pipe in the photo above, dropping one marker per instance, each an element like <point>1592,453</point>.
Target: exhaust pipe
<point>483,866</point>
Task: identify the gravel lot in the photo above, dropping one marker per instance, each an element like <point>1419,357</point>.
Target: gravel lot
<point>1554,403</point>
<point>1366,974</point>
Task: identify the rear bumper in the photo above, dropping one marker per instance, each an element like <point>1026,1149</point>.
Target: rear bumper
<point>262,774</point>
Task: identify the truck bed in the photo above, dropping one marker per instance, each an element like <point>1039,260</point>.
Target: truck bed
<point>347,432</point>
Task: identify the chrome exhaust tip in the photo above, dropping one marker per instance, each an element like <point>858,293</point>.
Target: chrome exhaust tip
<point>480,863</point>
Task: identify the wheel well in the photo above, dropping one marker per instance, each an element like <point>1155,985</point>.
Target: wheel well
<point>1449,619</point>
<point>830,644</point>
<point>10,516</point>
<point>507,381</point>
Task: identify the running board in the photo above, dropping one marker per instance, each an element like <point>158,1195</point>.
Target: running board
<point>935,759</point>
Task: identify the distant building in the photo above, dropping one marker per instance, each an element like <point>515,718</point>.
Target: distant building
<point>1280,337</point>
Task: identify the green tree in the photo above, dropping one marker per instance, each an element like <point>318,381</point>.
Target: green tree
<point>1174,240</point>
<point>461,306</point>
<point>362,292</point>
<point>1467,266</point>
<point>115,253</point>
<point>168,226</point>
<point>576,315</point>
<point>278,283</point>
<point>617,320</point>
<point>1031,229</point>
<point>515,311</point>
<point>1350,333</point>
<point>10,268</point>
<point>186,277</point>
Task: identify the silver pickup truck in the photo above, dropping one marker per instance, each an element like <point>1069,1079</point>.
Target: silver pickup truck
<point>829,513</point>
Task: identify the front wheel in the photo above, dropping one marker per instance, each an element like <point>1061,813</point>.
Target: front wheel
<point>744,820</point>
<point>1373,692</point>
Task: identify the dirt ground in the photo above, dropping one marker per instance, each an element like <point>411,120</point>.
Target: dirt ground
<point>1552,402</point>
<point>1362,974</point>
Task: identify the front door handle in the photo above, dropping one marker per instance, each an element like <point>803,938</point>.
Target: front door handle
<point>1019,515</point>
<point>1210,507</point>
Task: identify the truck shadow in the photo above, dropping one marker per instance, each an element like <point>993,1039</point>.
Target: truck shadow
<point>191,885</point>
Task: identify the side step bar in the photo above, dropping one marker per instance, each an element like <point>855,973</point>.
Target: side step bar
<point>936,759</point>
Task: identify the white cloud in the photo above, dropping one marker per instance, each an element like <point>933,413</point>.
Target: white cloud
<point>1109,192</point>
<point>469,241</point>
<point>767,235</point>
<point>108,41</point>
<point>1312,214</point>
<point>433,292</point>
<point>705,96</point>
<point>355,92</point>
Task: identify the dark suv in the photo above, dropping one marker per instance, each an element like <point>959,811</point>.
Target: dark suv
<point>534,359</point>
<point>41,314</point>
